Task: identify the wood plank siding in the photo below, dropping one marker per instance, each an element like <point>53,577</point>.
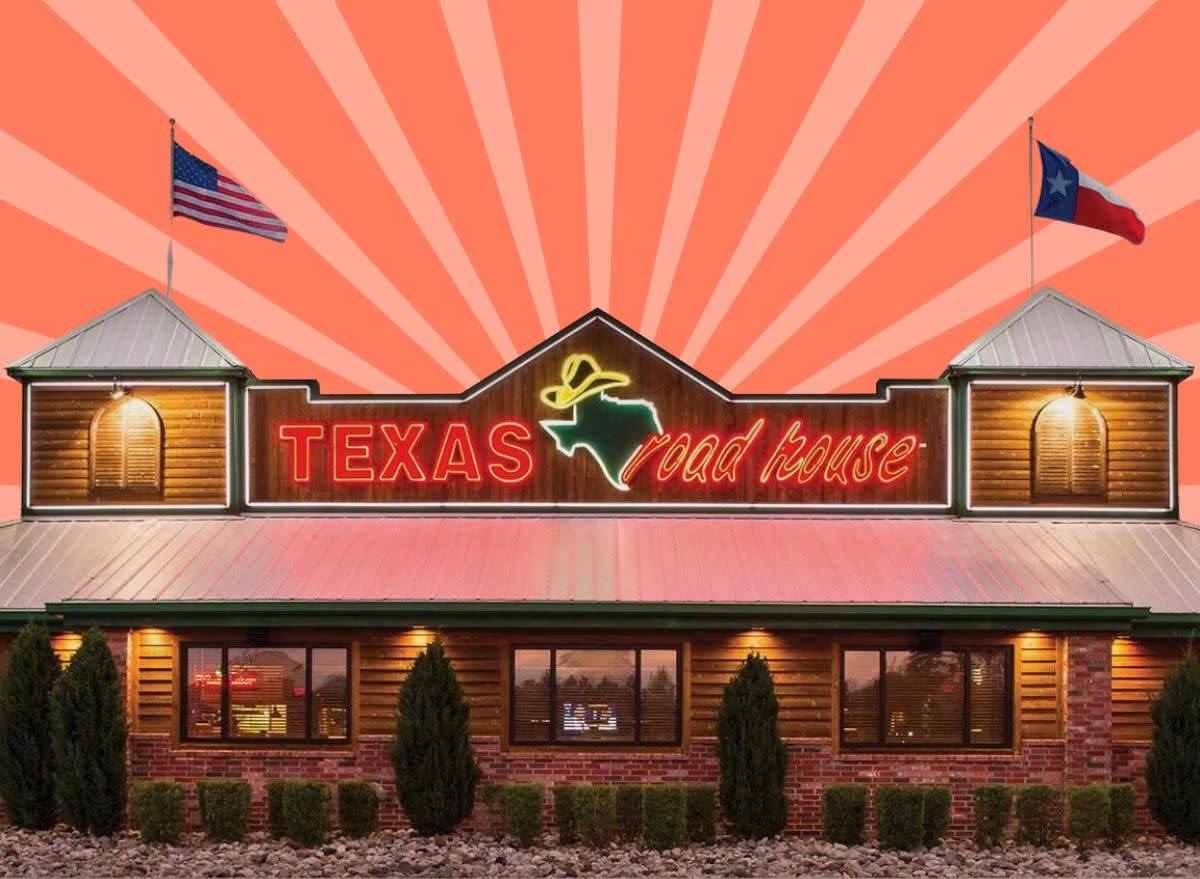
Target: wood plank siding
<point>1136,462</point>
<point>1138,669</point>
<point>804,666</point>
<point>192,466</point>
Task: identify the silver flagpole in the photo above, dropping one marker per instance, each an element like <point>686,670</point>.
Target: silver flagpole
<point>1031,276</point>
<point>171,217</point>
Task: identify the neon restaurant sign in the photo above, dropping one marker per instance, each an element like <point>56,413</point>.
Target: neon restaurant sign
<point>597,418</point>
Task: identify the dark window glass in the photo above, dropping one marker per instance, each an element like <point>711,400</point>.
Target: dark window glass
<point>595,695</point>
<point>531,695</point>
<point>860,696</point>
<point>926,698</point>
<point>330,694</point>
<point>204,693</point>
<point>268,693</point>
<point>660,696</point>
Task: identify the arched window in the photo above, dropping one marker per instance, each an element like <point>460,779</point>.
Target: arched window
<point>125,449</point>
<point>1070,451</point>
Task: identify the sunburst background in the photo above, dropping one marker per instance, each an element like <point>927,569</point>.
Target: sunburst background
<point>790,195</point>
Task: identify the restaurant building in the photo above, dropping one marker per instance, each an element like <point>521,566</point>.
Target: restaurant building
<point>975,578</point>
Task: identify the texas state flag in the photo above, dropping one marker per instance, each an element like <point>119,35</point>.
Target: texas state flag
<point>1069,194</point>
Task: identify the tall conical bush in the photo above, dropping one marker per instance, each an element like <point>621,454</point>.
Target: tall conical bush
<point>88,731</point>
<point>753,759</point>
<point>26,776</point>
<point>1173,763</point>
<point>431,756</point>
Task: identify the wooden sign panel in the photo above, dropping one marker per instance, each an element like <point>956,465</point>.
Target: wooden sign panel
<point>595,418</point>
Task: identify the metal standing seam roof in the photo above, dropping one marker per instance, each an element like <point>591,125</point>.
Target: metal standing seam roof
<point>1053,331</point>
<point>148,331</point>
<point>693,560</point>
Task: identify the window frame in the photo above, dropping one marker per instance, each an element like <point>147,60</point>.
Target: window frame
<point>225,738</point>
<point>636,742</point>
<point>882,743</point>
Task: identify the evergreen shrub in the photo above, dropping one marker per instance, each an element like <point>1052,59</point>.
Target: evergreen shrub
<point>516,810</point>
<point>1122,804</point>
<point>26,762</point>
<point>157,810</point>
<point>1173,763</point>
<point>307,812</point>
<point>629,812</point>
<point>937,813</point>
<point>993,809</point>
<point>664,816</point>
<point>88,735</point>
<point>701,813</point>
<point>224,808</point>
<point>432,758</point>
<point>1088,808</point>
<point>1039,814</point>
<point>276,824</point>
<point>358,808</point>
<point>564,813</point>
<point>753,759</point>
<point>595,814</point>
<point>900,816</point>
<point>844,813</point>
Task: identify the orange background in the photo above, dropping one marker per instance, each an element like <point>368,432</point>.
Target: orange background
<point>788,195</point>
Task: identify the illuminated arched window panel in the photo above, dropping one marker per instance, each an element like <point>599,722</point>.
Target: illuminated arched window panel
<point>125,449</point>
<point>1070,448</point>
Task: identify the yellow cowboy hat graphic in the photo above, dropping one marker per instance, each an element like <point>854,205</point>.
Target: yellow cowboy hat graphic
<point>582,378</point>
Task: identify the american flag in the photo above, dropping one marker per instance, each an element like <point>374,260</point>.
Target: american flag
<point>203,193</point>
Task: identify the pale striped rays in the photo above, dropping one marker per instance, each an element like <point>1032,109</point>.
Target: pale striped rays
<point>599,63</point>
<point>326,37</point>
<point>132,44</point>
<point>1078,32</point>
<point>867,47</point>
<point>728,31</point>
<point>16,342</point>
<point>43,190</point>
<point>474,39</point>
<point>1159,188</point>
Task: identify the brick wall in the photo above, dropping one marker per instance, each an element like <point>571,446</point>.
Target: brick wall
<point>1089,708</point>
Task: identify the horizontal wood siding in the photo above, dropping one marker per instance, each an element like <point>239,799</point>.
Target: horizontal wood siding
<point>1039,685</point>
<point>801,664</point>
<point>1138,460</point>
<point>153,657</point>
<point>1138,669</point>
<point>385,660</point>
<point>193,437</point>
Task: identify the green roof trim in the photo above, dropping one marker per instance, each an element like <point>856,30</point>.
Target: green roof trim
<point>595,615</point>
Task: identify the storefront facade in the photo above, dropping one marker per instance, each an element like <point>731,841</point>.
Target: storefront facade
<point>975,578</point>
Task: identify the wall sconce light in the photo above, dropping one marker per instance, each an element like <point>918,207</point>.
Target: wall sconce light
<point>118,391</point>
<point>1076,390</point>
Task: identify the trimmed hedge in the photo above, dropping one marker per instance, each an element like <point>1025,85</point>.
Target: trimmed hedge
<point>629,811</point>
<point>900,816</point>
<point>664,816</point>
<point>844,813</point>
<point>515,810</point>
<point>1088,814</point>
<point>224,808</point>
<point>937,813</point>
<point>1039,814</point>
<point>276,824</point>
<point>993,808</point>
<point>157,810</point>
<point>564,813</point>
<point>595,814</point>
<point>1122,803</point>
<point>358,808</point>
<point>307,812</point>
<point>701,813</point>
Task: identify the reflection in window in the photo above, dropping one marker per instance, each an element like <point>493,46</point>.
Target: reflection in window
<point>1070,442</point>
<point>925,698</point>
<point>271,693</point>
<point>595,695</point>
<point>125,449</point>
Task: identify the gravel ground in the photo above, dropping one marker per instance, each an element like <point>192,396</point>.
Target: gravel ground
<point>24,853</point>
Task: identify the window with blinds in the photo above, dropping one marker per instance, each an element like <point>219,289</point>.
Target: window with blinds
<point>1070,448</point>
<point>595,695</point>
<point>926,698</point>
<point>125,449</point>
